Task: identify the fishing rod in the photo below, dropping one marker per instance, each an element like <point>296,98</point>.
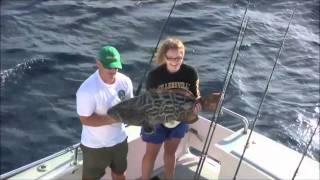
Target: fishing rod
<point>306,150</point>
<point>155,49</point>
<point>265,93</point>
<point>232,62</point>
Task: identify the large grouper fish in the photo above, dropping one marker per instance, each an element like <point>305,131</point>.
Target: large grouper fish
<point>161,106</point>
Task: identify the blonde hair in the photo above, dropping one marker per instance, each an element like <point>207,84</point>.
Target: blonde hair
<point>169,43</point>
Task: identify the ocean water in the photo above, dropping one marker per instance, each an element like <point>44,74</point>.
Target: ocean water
<point>48,48</point>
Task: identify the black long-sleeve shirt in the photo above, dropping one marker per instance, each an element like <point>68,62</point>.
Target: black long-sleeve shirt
<point>186,78</point>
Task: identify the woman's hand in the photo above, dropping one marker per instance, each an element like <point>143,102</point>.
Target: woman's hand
<point>197,108</point>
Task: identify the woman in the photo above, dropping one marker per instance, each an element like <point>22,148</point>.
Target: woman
<point>171,73</point>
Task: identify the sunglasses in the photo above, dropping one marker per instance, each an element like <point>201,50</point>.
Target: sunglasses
<point>177,59</point>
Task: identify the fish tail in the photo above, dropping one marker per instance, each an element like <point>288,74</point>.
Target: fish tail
<point>209,102</point>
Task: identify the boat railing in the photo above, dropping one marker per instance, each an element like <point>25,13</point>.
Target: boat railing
<point>74,148</point>
<point>238,116</point>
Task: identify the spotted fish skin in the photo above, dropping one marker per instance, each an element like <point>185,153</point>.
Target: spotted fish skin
<point>157,106</point>
<point>171,105</point>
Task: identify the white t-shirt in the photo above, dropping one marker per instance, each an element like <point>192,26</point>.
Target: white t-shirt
<point>95,96</point>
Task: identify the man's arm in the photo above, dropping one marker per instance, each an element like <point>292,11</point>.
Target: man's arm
<point>85,109</point>
<point>96,120</point>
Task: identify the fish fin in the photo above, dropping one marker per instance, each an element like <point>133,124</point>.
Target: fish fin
<point>191,118</point>
<point>182,91</point>
<point>147,127</point>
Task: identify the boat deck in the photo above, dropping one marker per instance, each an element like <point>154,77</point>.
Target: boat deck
<point>186,167</point>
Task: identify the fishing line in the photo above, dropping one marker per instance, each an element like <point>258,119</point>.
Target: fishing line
<point>306,150</point>
<point>155,49</point>
<point>232,62</point>
<point>264,94</point>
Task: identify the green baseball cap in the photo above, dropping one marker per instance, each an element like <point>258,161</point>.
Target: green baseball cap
<point>110,57</point>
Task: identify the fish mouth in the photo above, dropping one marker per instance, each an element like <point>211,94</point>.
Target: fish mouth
<point>171,123</point>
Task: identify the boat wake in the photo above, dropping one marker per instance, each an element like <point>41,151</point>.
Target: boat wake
<point>16,73</point>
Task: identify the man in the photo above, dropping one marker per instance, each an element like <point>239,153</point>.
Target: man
<point>103,141</point>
